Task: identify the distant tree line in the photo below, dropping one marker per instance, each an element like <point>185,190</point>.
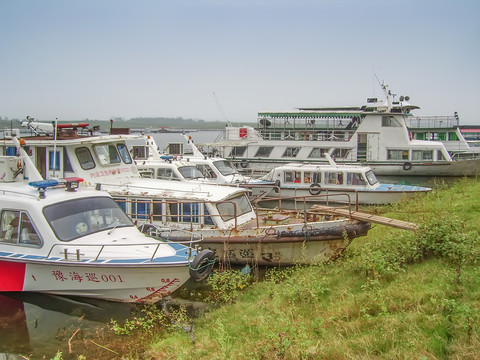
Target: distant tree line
<point>134,123</point>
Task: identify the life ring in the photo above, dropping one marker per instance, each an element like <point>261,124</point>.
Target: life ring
<point>315,189</point>
<point>202,265</point>
<point>244,164</point>
<point>407,166</point>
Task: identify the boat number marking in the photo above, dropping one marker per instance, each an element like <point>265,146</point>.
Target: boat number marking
<point>109,172</point>
<point>76,276</point>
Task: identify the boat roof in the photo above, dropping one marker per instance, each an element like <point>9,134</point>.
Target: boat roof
<point>178,190</point>
<point>325,166</point>
<point>42,140</point>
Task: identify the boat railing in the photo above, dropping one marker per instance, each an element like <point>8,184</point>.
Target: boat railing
<point>428,122</point>
<point>100,253</point>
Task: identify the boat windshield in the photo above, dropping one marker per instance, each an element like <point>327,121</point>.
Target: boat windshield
<point>72,219</point>
<point>372,179</point>
<point>227,211</point>
<point>190,172</point>
<point>225,167</point>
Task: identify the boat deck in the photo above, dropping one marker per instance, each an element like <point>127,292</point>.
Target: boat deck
<point>366,217</point>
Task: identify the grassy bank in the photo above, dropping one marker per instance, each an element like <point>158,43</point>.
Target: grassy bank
<point>394,294</point>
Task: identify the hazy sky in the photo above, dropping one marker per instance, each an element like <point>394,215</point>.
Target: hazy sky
<point>97,59</point>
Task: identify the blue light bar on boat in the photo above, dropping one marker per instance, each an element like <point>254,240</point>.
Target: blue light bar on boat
<point>43,184</point>
<point>71,183</point>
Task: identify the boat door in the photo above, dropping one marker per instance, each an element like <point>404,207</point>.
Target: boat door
<point>368,146</point>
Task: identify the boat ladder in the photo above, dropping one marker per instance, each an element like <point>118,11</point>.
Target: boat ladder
<point>365,217</point>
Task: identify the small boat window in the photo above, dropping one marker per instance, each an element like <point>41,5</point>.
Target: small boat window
<point>107,154</point>
<point>390,121</point>
<point>225,167</point>
<point>72,219</point>
<point>165,174</point>
<point>185,212</point>
<point>307,177</point>
<point>17,228</point>
<point>140,209</point>
<point>422,155</point>
<point>207,171</point>
<point>227,211</point>
<point>123,151</point>
<point>334,178</point>
<point>264,151</point>
<point>372,179</point>
<point>190,172</point>
<point>289,176</point>
<point>355,179</point>
<point>85,158</point>
<point>397,154</point>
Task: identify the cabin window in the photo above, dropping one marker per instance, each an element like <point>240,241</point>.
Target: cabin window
<point>147,173</point>
<point>371,178</point>
<point>80,217</point>
<point>85,158</point>
<point>107,154</point>
<point>140,209</point>
<point>355,179</point>
<point>307,177</point>
<point>225,167</point>
<point>227,210</point>
<point>440,156</point>
<point>190,172</point>
<point>291,152</point>
<point>206,171</point>
<point>453,136</point>
<point>318,153</point>
<point>390,121</point>
<point>157,210</point>
<point>317,178</point>
<point>67,166</point>
<point>264,151</point>
<point>10,151</point>
<point>140,152</point>
<point>397,154</point>
<point>334,178</point>
<point>340,153</point>
<point>422,155</point>
<point>17,228</point>
<point>184,212</point>
<point>289,176</point>
<point>207,219</point>
<point>54,160</point>
<point>123,151</point>
<point>165,174</point>
<point>238,151</point>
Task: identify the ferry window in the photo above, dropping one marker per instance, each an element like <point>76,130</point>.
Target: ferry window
<point>317,153</point>
<point>307,177</point>
<point>238,151</point>
<point>372,179</point>
<point>107,154</point>
<point>317,178</point>
<point>340,153</point>
<point>241,204</point>
<point>422,155</point>
<point>123,151</point>
<point>85,158</point>
<point>17,228</point>
<point>291,152</point>
<point>453,136</point>
<point>390,121</point>
<point>264,151</point>
<point>80,217</point>
<point>397,154</point>
<point>355,179</point>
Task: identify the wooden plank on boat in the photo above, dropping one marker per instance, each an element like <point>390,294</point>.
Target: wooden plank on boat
<point>366,217</point>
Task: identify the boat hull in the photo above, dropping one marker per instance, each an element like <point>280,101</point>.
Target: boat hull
<point>123,283</point>
<point>286,245</point>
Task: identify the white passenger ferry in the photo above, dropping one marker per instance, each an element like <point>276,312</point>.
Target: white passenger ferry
<point>375,135</point>
<point>222,215</point>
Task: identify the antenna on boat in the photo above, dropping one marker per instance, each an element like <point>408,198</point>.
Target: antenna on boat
<point>55,146</point>
<point>221,109</point>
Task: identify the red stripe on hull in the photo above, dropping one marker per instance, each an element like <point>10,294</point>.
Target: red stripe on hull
<point>12,276</point>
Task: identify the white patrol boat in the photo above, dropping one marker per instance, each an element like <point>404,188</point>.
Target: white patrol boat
<point>375,135</point>
<point>359,182</point>
<point>222,215</point>
<point>59,238</point>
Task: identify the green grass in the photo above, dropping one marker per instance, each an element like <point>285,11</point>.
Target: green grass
<point>394,294</point>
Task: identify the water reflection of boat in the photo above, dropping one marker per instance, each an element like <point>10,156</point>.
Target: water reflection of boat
<point>41,324</point>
